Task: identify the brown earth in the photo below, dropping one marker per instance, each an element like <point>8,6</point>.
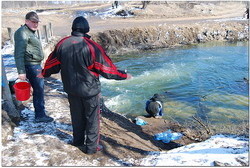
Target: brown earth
<point>121,137</point>
<point>155,14</point>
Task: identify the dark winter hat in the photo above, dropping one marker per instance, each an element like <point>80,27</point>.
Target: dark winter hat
<point>80,23</point>
<point>156,97</point>
<point>32,16</point>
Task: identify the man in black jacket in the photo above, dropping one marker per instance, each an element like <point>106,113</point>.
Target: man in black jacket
<point>81,60</point>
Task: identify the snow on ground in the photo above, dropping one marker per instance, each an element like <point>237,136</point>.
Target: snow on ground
<point>45,144</point>
<point>229,19</point>
<point>107,12</point>
<point>47,13</point>
<point>222,148</point>
<point>8,60</point>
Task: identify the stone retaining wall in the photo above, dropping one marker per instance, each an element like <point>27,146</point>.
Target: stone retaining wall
<point>164,36</point>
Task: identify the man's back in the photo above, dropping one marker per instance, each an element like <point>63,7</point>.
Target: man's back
<point>81,61</point>
<point>75,59</point>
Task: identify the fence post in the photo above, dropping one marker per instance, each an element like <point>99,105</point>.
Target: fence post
<point>39,35</point>
<point>46,33</point>
<point>10,31</point>
<point>50,29</point>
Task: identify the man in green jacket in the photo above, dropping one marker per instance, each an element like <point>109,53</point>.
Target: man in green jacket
<point>28,57</point>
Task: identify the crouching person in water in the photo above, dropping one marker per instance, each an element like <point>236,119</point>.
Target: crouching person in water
<point>154,106</point>
<point>81,61</point>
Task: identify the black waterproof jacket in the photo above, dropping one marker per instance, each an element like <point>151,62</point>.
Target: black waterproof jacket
<point>81,60</point>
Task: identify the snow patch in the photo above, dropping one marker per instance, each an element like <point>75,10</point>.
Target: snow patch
<point>222,148</point>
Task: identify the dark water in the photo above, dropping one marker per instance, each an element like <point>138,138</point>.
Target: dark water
<point>205,80</point>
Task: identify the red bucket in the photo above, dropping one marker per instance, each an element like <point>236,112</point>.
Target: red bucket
<point>22,91</point>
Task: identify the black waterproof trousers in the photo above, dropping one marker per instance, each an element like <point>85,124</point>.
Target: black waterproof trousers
<point>85,117</point>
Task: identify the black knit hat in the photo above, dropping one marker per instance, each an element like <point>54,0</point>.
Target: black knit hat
<point>80,24</point>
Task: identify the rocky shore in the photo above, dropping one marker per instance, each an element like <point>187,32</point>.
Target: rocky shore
<point>165,36</point>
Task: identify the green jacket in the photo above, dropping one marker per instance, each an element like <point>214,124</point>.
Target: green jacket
<point>28,49</point>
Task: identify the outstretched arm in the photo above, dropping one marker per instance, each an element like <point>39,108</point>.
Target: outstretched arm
<point>102,64</point>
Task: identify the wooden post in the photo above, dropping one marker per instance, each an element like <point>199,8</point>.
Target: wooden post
<point>45,33</point>
<point>50,28</point>
<point>39,35</point>
<point>8,105</point>
<point>11,35</point>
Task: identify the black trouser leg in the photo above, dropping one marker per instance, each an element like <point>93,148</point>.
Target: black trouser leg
<point>78,119</point>
<point>85,116</point>
<point>92,109</point>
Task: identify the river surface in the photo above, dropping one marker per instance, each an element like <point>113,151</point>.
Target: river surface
<point>204,80</point>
